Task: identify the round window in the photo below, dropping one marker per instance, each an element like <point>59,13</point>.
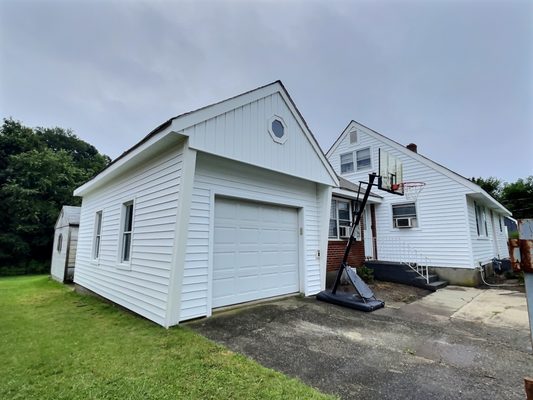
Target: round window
<point>278,128</point>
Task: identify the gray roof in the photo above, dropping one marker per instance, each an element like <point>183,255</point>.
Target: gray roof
<point>70,215</point>
<point>345,184</point>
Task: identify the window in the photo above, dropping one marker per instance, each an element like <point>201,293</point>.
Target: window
<point>364,160</point>
<point>481,220</point>
<point>500,221</point>
<point>404,215</point>
<point>127,228</point>
<point>340,215</point>
<point>346,163</point>
<point>97,234</point>
<point>353,137</point>
<point>277,129</point>
<point>59,242</point>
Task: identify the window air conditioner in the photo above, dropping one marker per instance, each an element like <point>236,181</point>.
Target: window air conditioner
<point>404,223</point>
<point>344,232</point>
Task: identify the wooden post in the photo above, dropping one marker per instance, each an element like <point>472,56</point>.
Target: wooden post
<point>528,384</point>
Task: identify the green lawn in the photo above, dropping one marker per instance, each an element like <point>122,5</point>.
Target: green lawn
<point>57,344</point>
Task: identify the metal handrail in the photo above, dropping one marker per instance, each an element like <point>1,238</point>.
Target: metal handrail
<point>398,250</point>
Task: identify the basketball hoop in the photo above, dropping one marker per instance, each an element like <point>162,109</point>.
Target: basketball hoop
<point>411,190</point>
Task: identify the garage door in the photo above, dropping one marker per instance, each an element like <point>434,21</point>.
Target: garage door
<point>255,251</point>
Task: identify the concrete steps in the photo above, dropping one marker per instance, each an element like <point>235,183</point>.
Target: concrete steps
<point>400,273</point>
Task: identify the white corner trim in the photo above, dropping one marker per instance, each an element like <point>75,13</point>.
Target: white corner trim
<point>180,235</point>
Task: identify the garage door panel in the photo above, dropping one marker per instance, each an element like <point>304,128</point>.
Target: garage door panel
<point>256,248</point>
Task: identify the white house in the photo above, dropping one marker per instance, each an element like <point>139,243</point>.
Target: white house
<point>454,224</point>
<point>223,205</point>
<point>65,243</point>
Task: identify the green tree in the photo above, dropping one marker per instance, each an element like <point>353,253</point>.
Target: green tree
<point>518,197</point>
<point>40,168</point>
<point>491,185</point>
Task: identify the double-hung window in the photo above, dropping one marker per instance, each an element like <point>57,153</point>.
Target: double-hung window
<point>347,163</point>
<point>340,215</point>
<point>404,215</point>
<point>481,220</point>
<point>364,161</point>
<point>97,234</point>
<point>127,230</point>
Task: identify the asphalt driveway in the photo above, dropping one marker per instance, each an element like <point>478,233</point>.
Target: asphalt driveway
<point>417,351</point>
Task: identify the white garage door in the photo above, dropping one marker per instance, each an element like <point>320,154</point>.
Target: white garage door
<point>255,253</point>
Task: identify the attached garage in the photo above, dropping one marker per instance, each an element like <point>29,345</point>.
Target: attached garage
<point>255,251</point>
<point>220,206</point>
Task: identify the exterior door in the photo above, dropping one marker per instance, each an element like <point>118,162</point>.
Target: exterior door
<point>367,232</point>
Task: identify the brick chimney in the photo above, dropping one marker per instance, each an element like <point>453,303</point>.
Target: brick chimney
<point>412,147</point>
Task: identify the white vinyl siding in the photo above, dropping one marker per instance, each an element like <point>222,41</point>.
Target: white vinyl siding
<point>218,176</point>
<point>442,233</point>
<point>242,135</point>
<point>485,247</point>
<point>143,287</point>
<point>57,268</point>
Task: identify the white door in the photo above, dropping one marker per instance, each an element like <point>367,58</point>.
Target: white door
<point>255,252</point>
<point>367,232</point>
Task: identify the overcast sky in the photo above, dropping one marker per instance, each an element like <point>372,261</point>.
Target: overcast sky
<point>455,77</point>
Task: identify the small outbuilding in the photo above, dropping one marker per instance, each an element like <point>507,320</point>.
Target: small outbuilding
<point>65,242</point>
<point>220,206</point>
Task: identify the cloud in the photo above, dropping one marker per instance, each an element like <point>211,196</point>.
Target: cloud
<point>455,77</point>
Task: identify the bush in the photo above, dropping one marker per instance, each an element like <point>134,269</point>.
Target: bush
<point>366,274</point>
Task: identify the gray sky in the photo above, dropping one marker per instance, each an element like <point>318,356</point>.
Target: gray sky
<point>455,77</point>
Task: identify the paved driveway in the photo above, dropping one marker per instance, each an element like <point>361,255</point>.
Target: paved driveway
<point>419,351</point>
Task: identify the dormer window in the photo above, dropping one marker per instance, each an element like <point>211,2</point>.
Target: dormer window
<point>277,129</point>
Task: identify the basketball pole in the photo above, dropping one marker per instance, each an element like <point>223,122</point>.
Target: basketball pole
<point>371,178</point>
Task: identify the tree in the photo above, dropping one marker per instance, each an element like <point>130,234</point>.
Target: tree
<point>491,185</point>
<point>518,197</point>
<point>39,169</point>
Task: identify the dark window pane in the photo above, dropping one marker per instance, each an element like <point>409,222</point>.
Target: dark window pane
<point>344,210</point>
<point>346,163</point>
<point>404,210</point>
<point>363,158</point>
<point>332,228</point>
<point>126,247</point>
<point>128,218</point>
<point>278,128</point>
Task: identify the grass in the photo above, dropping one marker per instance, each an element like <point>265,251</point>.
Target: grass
<point>57,344</point>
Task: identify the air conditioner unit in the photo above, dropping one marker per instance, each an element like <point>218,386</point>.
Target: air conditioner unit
<point>404,222</point>
<point>344,232</point>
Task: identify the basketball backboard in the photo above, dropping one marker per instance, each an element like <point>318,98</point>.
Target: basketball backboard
<point>390,173</point>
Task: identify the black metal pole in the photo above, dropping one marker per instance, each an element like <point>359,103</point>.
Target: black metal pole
<point>357,217</point>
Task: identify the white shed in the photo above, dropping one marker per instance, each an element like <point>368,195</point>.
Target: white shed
<point>65,243</point>
<point>219,206</point>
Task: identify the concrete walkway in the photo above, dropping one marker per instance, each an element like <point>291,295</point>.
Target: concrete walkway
<point>491,307</point>
<point>448,345</point>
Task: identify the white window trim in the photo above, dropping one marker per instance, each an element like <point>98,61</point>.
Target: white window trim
<point>337,219</point>
<point>97,235</point>
<point>276,139</point>
<point>417,216</point>
<point>355,159</point>
<point>122,264</point>
<point>481,221</point>
<point>340,163</point>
